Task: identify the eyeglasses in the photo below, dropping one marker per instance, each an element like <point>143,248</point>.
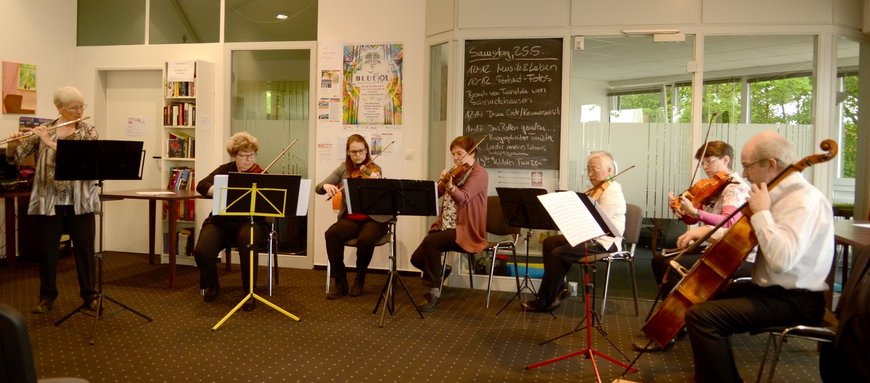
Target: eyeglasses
<point>246,156</point>
<point>749,165</point>
<point>77,108</point>
<point>593,170</point>
<point>357,152</point>
<point>709,160</point>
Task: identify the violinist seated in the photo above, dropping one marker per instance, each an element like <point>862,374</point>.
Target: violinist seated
<point>219,232</point>
<point>559,255</point>
<point>364,228</point>
<point>461,225</point>
<point>707,203</point>
<point>793,223</point>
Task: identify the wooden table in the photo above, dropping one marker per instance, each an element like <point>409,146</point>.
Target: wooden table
<point>849,235</point>
<point>172,200</point>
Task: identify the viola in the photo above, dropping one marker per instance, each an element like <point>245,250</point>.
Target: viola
<point>455,174</point>
<point>718,262</point>
<point>703,191</point>
<point>595,192</point>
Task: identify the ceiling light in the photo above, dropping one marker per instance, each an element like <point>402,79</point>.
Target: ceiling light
<point>281,16</point>
<point>649,31</point>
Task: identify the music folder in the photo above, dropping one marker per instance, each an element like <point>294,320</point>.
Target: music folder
<point>578,218</point>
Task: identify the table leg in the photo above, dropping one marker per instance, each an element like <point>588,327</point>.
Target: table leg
<point>173,217</point>
<point>152,222</point>
<point>9,209</point>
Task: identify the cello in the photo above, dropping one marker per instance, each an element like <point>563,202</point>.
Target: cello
<point>718,262</point>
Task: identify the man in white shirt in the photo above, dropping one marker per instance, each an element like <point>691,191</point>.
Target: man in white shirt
<point>794,226</point>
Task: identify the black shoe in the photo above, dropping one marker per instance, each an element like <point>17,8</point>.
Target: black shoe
<point>211,293</point>
<point>337,291</point>
<point>44,306</point>
<point>430,302</point>
<point>562,295</point>
<point>91,305</point>
<point>534,305</point>
<point>651,346</point>
<point>250,305</point>
<point>358,285</point>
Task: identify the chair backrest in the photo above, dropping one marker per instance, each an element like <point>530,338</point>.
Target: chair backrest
<point>16,356</point>
<point>496,223</point>
<point>633,219</point>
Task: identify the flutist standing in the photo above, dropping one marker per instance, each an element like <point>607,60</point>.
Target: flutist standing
<point>58,205</point>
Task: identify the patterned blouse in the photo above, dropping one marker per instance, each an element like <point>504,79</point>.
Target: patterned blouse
<point>48,192</point>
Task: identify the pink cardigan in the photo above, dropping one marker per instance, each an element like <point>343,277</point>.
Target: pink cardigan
<point>470,201</point>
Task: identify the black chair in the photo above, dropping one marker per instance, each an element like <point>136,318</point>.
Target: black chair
<point>16,356</point>
<point>496,225</point>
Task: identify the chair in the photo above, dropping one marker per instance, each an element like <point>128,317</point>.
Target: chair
<point>823,333</point>
<point>352,243</point>
<point>633,218</point>
<point>16,356</point>
<point>495,225</point>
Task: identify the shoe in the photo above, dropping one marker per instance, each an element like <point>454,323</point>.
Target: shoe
<point>338,290</point>
<point>250,305</point>
<point>447,270</point>
<point>534,305</point>
<point>562,295</point>
<point>45,305</point>
<point>430,302</point>
<point>211,293</point>
<point>358,285</point>
<point>91,305</point>
<point>651,346</point>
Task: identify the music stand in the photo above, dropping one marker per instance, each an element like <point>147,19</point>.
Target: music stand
<point>99,160</point>
<point>246,197</point>
<point>391,197</point>
<point>571,215</point>
<point>521,208</point>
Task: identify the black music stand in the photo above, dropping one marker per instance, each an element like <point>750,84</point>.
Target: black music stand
<point>566,215</point>
<point>99,160</point>
<point>391,197</point>
<point>521,208</point>
<point>258,195</point>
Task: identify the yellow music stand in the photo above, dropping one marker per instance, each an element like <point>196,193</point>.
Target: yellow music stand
<point>252,194</point>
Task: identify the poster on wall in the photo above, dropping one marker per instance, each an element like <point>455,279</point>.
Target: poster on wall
<point>19,88</point>
<point>372,91</point>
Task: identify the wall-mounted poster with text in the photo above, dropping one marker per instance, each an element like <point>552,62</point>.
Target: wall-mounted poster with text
<point>372,92</point>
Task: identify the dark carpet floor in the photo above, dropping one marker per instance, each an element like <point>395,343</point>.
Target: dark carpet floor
<point>336,341</point>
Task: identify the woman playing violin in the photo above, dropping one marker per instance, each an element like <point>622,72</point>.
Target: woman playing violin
<point>559,255</point>
<point>364,228</point>
<point>462,224</point>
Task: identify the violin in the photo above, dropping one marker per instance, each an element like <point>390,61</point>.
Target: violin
<point>364,171</point>
<point>595,191</point>
<point>703,191</point>
<point>718,261</point>
<point>455,174</point>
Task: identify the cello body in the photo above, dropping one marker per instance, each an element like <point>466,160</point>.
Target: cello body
<point>717,264</point>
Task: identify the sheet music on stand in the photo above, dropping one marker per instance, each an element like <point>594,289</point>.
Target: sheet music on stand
<point>219,200</point>
<point>578,218</point>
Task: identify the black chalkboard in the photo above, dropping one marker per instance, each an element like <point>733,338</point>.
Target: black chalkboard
<point>513,95</point>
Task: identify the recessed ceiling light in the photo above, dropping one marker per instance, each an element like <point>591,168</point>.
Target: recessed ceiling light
<point>281,16</point>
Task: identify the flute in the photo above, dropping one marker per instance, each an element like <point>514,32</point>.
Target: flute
<point>30,133</point>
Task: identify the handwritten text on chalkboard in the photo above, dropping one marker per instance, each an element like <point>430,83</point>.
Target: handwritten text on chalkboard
<point>513,95</point>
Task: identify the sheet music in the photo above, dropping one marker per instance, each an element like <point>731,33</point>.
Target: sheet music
<point>572,217</point>
<point>304,195</point>
<point>219,200</point>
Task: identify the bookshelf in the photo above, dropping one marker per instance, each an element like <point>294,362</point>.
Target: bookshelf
<point>188,92</point>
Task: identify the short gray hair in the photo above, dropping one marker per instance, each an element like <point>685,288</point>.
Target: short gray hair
<point>65,95</point>
<point>770,144</point>
<point>605,156</point>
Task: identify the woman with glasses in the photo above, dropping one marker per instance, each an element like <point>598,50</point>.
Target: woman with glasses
<point>364,228</point>
<point>58,205</point>
<point>716,159</point>
<point>461,226</point>
<point>219,232</point>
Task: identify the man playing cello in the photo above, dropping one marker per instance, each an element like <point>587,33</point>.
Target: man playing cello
<point>794,226</point>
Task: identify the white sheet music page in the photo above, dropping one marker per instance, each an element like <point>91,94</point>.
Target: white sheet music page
<point>572,217</point>
<point>304,194</point>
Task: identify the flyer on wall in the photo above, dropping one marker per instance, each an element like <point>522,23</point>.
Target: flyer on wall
<point>372,91</point>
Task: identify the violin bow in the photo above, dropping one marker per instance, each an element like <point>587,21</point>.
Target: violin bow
<point>362,168</point>
<point>704,152</point>
<point>279,155</point>
<point>608,179</point>
<point>473,148</point>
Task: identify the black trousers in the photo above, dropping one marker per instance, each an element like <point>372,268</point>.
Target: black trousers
<point>740,308</point>
<point>82,230</point>
<point>218,233</point>
<point>427,257</point>
<point>366,233</point>
<point>559,255</point>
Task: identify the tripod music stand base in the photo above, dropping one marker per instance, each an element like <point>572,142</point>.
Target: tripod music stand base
<point>259,298</point>
<point>588,353</point>
<point>98,313</point>
<point>388,296</point>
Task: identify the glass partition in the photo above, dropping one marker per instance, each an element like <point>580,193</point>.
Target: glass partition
<point>119,22</point>
<point>273,20</point>
<point>184,21</point>
<point>847,121</point>
<point>270,99</point>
